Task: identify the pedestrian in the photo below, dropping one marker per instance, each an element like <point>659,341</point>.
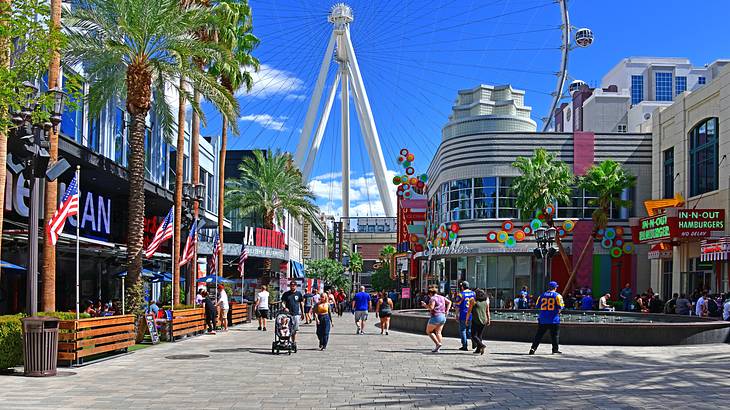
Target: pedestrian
<point>293,302</point>
<point>361,305</point>
<point>323,317</point>
<point>341,298</point>
<point>480,319</point>
<point>625,296</point>
<point>261,307</point>
<point>701,308</point>
<point>210,312</point>
<point>550,304</point>
<point>332,299</point>
<point>726,308</point>
<point>587,302</point>
<point>603,303</point>
<point>223,306</point>
<point>383,310</point>
<point>462,302</point>
<point>684,306</point>
<point>308,306</point>
<point>437,307</point>
<point>671,305</point>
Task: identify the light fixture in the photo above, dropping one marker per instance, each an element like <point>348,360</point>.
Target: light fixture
<point>30,98</point>
<point>57,105</point>
<point>551,234</point>
<point>540,234</point>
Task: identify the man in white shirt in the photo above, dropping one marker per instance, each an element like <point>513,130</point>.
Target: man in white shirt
<point>726,308</point>
<point>701,306</point>
<point>603,302</point>
<point>223,306</point>
<point>261,307</point>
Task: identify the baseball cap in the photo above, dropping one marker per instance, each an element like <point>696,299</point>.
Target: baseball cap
<point>552,285</point>
<point>465,284</point>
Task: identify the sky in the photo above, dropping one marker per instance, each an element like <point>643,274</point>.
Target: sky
<point>415,55</point>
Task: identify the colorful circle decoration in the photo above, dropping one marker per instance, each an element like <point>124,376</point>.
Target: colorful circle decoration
<point>610,233</point>
<point>600,232</point>
<point>561,232</point>
<point>569,225</point>
<point>454,227</point>
<point>619,231</point>
<point>520,235</point>
<point>400,192</point>
<point>616,252</point>
<point>410,157</point>
<point>491,236</point>
<point>607,243</point>
<point>421,185</point>
<point>628,248</point>
<point>404,152</point>
<point>502,236</point>
<point>424,177</point>
<point>538,214</point>
<point>549,209</point>
<point>535,224</point>
<point>407,194</point>
<point>452,236</point>
<point>414,237</point>
<point>510,242</point>
<point>527,229</point>
<point>396,180</point>
<point>618,242</point>
<point>507,225</point>
<point>410,171</point>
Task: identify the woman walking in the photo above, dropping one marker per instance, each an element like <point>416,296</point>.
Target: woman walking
<point>437,307</point>
<point>323,317</point>
<point>384,309</point>
<point>480,319</point>
<point>262,307</point>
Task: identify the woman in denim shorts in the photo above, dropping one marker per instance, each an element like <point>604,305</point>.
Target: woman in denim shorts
<point>437,307</point>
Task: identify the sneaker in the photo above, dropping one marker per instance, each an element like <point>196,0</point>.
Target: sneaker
<point>259,327</point>
<point>557,352</point>
<point>464,348</point>
<point>437,349</point>
<point>212,333</point>
<point>357,332</point>
<point>264,329</point>
<point>532,351</point>
<point>386,333</point>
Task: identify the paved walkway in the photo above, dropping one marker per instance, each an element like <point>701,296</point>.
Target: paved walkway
<point>237,370</point>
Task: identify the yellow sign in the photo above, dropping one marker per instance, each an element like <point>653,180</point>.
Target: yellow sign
<point>653,205</point>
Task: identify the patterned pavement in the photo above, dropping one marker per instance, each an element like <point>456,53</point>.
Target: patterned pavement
<point>236,370</point>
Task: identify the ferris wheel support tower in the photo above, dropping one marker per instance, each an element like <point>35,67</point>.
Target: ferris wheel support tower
<point>348,78</point>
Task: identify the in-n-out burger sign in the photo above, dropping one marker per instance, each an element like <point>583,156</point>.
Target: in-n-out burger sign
<point>678,223</point>
<point>456,248</point>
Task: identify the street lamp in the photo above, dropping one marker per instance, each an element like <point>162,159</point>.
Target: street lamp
<point>28,148</point>
<point>545,238</point>
<point>192,193</point>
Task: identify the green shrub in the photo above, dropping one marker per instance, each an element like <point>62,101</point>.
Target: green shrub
<point>64,315</point>
<point>11,341</point>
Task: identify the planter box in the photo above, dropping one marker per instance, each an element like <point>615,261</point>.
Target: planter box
<point>187,322</point>
<point>82,338</point>
<point>239,313</point>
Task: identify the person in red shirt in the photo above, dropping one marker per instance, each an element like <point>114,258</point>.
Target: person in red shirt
<point>340,298</point>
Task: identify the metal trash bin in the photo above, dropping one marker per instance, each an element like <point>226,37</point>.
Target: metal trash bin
<point>40,345</point>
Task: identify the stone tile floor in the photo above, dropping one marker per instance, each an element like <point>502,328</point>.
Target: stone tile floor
<point>238,371</point>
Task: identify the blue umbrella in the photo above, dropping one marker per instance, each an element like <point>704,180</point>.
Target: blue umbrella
<point>8,265</point>
<point>146,273</point>
<point>212,279</point>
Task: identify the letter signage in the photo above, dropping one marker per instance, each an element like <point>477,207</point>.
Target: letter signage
<point>679,224</point>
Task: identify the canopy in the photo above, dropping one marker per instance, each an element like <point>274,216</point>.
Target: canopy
<point>212,279</point>
<point>146,274</point>
<point>8,265</point>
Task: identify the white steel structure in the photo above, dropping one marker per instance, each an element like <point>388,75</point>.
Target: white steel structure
<point>350,79</point>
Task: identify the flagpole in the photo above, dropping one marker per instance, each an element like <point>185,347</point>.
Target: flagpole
<point>78,225</point>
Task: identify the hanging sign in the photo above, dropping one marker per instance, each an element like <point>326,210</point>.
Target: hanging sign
<point>679,224</point>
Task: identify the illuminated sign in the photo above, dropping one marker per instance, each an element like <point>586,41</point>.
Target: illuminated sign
<point>679,224</point>
<point>654,228</point>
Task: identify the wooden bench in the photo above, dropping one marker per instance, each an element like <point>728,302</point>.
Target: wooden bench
<point>82,338</point>
<point>239,313</point>
<point>187,322</point>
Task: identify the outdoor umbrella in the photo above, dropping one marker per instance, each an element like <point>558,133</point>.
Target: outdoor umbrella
<point>8,265</point>
<point>212,279</point>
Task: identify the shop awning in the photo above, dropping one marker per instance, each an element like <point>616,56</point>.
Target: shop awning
<point>715,250</point>
<point>8,265</point>
<point>214,279</point>
<point>297,269</point>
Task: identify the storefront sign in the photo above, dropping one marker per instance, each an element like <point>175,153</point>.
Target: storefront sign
<point>454,249</point>
<point>654,228</point>
<point>679,224</point>
<point>253,236</point>
<point>337,241</point>
<point>270,253</point>
<point>715,250</point>
<point>406,293</point>
<point>660,251</point>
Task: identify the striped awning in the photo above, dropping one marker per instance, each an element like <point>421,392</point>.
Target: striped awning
<point>715,249</point>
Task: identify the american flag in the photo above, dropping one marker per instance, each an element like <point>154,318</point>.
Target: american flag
<point>189,251</point>
<point>69,207</point>
<point>164,232</point>
<point>242,259</point>
<point>214,258</point>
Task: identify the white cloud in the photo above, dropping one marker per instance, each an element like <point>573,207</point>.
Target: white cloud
<point>267,121</point>
<point>364,195</point>
<point>270,81</point>
<point>295,97</point>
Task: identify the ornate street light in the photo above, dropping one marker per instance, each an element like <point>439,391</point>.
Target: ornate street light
<point>545,238</point>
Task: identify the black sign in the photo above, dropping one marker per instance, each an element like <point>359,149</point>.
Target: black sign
<point>337,242</point>
<point>152,328</point>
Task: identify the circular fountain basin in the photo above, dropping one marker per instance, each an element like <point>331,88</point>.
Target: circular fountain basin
<point>586,327</point>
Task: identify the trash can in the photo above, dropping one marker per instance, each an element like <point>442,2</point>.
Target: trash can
<point>40,345</point>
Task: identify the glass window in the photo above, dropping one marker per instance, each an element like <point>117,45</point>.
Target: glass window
<point>663,86</point>
<point>637,89</point>
<point>701,80</point>
<point>622,128</point>
<point>94,134</point>
<point>667,267</point>
<point>506,204</point>
<point>485,198</point>
<point>680,85</point>
<point>459,199</point>
<point>147,152</point>
<point>703,160</point>
<point>120,137</point>
<point>72,120</point>
<point>669,173</point>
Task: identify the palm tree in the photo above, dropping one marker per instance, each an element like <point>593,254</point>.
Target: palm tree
<point>386,257</point>
<point>133,50</point>
<point>607,181</point>
<point>543,181</point>
<point>235,35</point>
<point>5,48</point>
<point>270,185</point>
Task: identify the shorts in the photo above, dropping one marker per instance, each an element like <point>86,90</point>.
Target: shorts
<point>385,314</point>
<point>307,309</point>
<point>438,319</point>
<point>361,315</point>
<point>296,320</point>
<point>262,313</point>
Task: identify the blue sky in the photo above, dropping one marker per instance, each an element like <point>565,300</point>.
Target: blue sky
<point>414,55</point>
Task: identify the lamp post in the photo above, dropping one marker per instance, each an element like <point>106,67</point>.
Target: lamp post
<point>192,193</point>
<point>545,238</point>
<point>28,147</point>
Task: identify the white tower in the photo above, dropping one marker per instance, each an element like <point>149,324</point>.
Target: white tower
<point>349,76</point>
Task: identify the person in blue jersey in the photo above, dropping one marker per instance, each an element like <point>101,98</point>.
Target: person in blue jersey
<point>462,302</point>
<point>550,304</point>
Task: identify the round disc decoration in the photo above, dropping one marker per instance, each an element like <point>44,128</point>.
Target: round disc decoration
<point>502,236</point>
<point>549,209</point>
<point>452,236</point>
<point>628,248</point>
<point>424,177</point>
<point>535,224</point>
<point>414,237</point>
<point>519,235</point>
<point>412,181</point>
<point>407,194</point>
<point>619,231</point>
<point>454,227</point>
<point>396,180</point>
<point>610,233</point>
<point>561,232</point>
<point>510,242</point>
<point>421,185</point>
<point>401,159</point>
<point>491,236</point>
<point>406,163</point>
<point>404,152</point>
<point>507,225</point>
<point>600,233</point>
<point>616,252</point>
<point>410,171</point>
<point>527,229</point>
<point>410,157</point>
<point>607,243</point>
<point>569,225</point>
<point>618,242</point>
<point>400,192</point>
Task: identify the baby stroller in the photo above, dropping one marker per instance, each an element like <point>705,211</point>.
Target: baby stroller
<point>283,327</point>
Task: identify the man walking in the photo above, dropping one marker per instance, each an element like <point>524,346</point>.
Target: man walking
<point>550,304</point>
<point>626,297</point>
<point>361,304</point>
<point>293,302</point>
<point>462,302</point>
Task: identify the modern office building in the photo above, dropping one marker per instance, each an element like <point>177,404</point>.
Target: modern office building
<point>469,186</point>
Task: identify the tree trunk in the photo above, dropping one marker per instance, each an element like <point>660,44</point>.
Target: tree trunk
<point>268,224</point>
<point>48,273</point>
<point>179,171</point>
<point>221,191</point>
<point>195,178</point>
<point>4,63</point>
<point>587,245</point>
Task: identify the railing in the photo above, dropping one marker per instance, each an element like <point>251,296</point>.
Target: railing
<point>369,224</point>
<point>187,322</point>
<point>78,339</point>
<point>239,313</point>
